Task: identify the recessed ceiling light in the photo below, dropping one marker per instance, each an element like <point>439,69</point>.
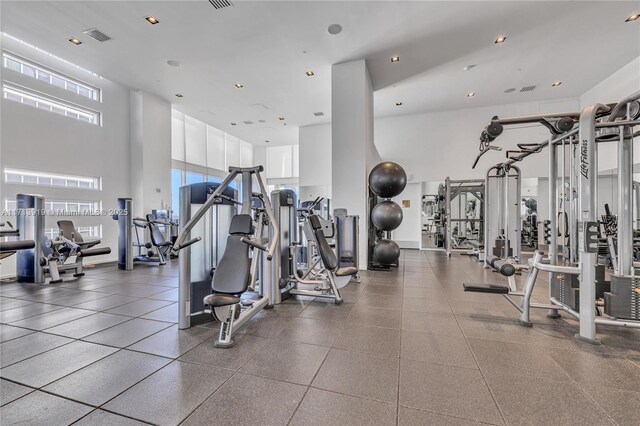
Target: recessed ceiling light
<point>501,39</point>
<point>266,141</point>
<point>239,86</point>
<point>281,118</point>
<point>152,20</point>
<point>179,95</point>
<point>398,103</point>
<point>395,59</point>
<point>633,17</point>
<point>334,29</point>
<point>233,124</point>
<point>310,73</point>
<point>556,83</point>
<point>468,67</point>
<point>173,63</point>
<point>471,94</point>
<point>75,41</point>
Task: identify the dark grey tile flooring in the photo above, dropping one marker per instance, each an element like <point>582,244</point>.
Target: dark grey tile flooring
<point>407,347</point>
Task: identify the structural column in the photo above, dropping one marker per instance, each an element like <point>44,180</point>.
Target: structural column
<point>353,152</point>
<point>150,152</point>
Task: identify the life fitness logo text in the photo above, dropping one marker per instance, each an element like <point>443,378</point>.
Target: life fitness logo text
<point>584,159</point>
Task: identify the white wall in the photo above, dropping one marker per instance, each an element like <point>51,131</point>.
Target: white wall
<point>435,145</point>
<point>408,234</point>
<point>315,155</point>
<point>619,85</point>
<point>150,152</point>
<point>36,140</point>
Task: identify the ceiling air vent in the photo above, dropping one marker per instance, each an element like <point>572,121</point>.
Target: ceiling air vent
<point>319,114</point>
<point>219,4</point>
<point>527,88</point>
<point>97,34</point>
<point>248,122</point>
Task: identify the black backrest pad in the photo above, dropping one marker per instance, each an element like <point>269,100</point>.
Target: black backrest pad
<point>69,231</point>
<point>241,224</point>
<point>233,273</point>
<point>327,254</point>
<point>156,235</point>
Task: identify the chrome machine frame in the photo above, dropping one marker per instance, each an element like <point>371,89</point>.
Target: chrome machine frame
<point>459,189</point>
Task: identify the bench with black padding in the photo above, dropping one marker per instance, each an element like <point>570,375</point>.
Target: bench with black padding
<point>499,265</point>
<point>233,273</point>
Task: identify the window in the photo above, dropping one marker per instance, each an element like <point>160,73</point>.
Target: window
<point>48,76</point>
<point>50,104</point>
<point>86,231</point>
<point>58,206</point>
<point>51,179</point>
<point>176,183</point>
<point>193,178</point>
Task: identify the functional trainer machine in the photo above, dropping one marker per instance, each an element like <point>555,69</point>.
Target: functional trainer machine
<point>575,277</point>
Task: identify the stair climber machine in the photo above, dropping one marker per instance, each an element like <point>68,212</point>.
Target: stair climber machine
<point>326,269</point>
<point>246,261</point>
<point>52,257</point>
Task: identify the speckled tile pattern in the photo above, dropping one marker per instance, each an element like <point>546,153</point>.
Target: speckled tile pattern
<point>407,347</point>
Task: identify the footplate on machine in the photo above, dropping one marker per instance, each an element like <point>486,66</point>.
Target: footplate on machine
<point>486,288</point>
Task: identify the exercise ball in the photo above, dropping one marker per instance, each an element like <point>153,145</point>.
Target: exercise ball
<point>387,179</point>
<point>386,215</point>
<point>386,252</point>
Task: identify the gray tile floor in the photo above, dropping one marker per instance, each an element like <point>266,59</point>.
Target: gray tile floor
<point>407,347</point>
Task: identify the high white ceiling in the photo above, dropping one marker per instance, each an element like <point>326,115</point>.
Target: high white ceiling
<point>268,46</point>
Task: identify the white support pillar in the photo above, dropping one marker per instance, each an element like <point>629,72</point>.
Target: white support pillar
<point>353,152</point>
<point>150,152</point>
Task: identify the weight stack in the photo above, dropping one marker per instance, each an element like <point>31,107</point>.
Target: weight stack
<point>566,289</point>
<point>623,301</point>
<point>498,249</point>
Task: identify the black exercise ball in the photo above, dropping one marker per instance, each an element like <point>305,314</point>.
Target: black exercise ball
<point>386,216</point>
<point>387,179</point>
<point>386,252</point>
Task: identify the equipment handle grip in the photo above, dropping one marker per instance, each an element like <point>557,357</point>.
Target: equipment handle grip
<point>187,244</point>
<point>254,243</point>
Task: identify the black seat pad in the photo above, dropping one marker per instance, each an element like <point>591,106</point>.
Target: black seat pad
<point>217,300</point>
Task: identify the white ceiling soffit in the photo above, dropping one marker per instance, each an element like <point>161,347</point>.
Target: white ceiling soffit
<point>268,47</point>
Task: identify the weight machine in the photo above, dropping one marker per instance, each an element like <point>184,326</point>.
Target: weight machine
<point>576,280</point>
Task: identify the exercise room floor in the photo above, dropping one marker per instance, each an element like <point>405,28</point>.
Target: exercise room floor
<point>407,347</point>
